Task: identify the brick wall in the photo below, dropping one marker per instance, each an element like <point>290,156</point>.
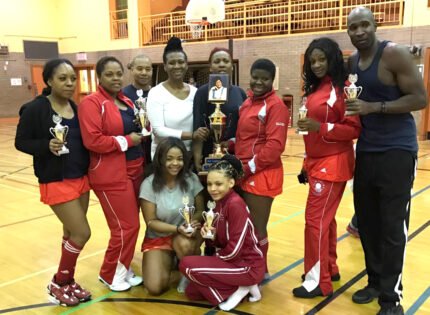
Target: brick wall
<point>284,51</point>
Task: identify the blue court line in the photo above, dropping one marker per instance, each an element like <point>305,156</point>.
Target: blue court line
<point>420,301</point>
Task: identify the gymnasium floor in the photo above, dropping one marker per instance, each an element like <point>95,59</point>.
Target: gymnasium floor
<point>30,236</point>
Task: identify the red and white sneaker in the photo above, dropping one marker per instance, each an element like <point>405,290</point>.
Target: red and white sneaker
<point>79,292</point>
<point>61,295</point>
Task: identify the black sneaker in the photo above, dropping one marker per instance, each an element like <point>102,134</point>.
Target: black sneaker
<point>301,292</point>
<point>335,277</point>
<point>366,295</point>
<point>392,310</point>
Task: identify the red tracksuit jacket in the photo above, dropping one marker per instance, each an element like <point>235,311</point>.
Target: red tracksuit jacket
<point>329,152</point>
<point>261,132</point>
<point>103,135</point>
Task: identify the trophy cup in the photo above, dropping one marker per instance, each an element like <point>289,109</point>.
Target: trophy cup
<point>59,132</point>
<point>302,114</point>
<point>352,91</point>
<point>142,113</point>
<point>210,216</point>
<point>187,213</point>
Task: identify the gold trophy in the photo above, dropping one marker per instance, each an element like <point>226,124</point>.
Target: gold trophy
<point>142,113</point>
<point>217,122</point>
<point>352,91</point>
<point>303,111</point>
<point>187,213</point>
<point>210,216</point>
<point>59,132</point>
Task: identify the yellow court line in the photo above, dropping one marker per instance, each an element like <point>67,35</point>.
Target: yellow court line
<point>34,274</point>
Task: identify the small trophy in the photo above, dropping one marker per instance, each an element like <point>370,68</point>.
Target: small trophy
<point>142,113</point>
<point>303,111</point>
<point>59,132</point>
<point>187,213</point>
<point>352,91</point>
<point>210,216</point>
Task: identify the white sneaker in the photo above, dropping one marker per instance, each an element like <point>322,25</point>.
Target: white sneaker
<point>182,285</point>
<point>119,282</point>
<point>132,279</point>
<point>117,286</point>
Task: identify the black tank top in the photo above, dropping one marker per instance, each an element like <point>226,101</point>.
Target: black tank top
<point>382,132</point>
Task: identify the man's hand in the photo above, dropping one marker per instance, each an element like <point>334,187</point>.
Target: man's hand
<point>356,106</point>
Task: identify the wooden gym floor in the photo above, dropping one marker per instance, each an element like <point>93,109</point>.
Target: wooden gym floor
<point>30,236</point>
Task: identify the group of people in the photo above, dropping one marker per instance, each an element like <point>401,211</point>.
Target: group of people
<point>128,171</point>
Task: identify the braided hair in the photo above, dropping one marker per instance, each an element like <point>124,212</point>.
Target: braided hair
<point>230,165</point>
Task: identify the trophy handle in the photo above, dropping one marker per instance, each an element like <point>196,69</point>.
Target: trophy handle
<point>51,131</point>
<point>359,90</point>
<point>66,132</point>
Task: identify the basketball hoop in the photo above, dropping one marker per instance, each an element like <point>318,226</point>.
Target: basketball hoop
<point>196,28</point>
<point>200,13</point>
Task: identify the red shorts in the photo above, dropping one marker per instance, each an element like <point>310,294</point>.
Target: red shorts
<point>64,191</point>
<point>266,183</point>
<point>157,243</point>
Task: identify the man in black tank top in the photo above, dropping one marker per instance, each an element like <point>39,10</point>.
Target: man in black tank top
<point>386,156</point>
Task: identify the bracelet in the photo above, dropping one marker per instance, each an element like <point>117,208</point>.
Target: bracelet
<point>383,108</point>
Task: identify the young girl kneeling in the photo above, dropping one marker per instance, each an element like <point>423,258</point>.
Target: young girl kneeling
<point>238,266</point>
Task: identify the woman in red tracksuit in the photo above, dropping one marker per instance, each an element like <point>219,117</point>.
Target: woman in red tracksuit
<point>260,140</point>
<point>238,266</point>
<point>116,169</point>
<point>329,162</point>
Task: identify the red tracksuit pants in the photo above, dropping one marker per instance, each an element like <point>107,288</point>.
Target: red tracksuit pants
<point>121,211</point>
<point>214,279</point>
<point>320,233</point>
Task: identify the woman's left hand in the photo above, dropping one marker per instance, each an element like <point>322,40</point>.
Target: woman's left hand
<point>308,124</point>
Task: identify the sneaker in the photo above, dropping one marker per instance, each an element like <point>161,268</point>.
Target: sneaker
<point>79,292</point>
<point>351,229</point>
<point>392,310</point>
<point>335,277</point>
<point>366,295</point>
<point>182,285</point>
<point>116,286</point>
<point>132,279</point>
<point>61,295</point>
<point>301,292</point>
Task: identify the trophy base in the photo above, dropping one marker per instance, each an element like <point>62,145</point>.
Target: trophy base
<point>209,161</point>
<point>300,132</point>
<point>145,133</point>
<point>208,236</point>
<point>189,229</point>
<point>349,113</point>
<point>64,150</point>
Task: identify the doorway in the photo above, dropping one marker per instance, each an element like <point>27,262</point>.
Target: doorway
<point>37,84</point>
<point>86,81</point>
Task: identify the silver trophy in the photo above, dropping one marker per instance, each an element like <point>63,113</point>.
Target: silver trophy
<point>59,132</point>
<point>142,113</point>
<point>352,91</point>
<point>210,216</point>
<point>187,213</point>
<point>303,111</point>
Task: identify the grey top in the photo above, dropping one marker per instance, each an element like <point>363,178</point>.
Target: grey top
<point>168,201</point>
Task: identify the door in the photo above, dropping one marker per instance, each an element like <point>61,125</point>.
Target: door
<point>87,81</point>
<point>37,84</point>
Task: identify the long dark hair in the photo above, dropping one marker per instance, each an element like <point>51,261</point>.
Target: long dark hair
<point>48,72</point>
<point>336,67</point>
<point>159,164</point>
